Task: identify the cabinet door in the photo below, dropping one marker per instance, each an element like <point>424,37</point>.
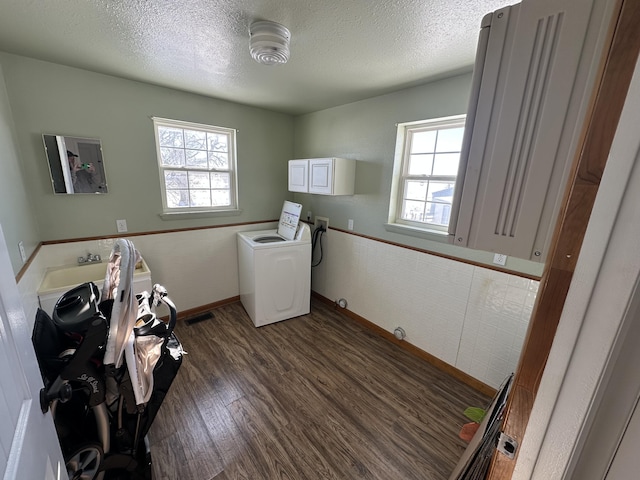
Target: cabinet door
<point>298,175</point>
<point>321,176</point>
<point>529,113</point>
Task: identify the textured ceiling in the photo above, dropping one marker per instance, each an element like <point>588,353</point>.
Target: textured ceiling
<point>341,50</point>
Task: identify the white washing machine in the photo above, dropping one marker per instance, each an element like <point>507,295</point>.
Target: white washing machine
<point>275,269</point>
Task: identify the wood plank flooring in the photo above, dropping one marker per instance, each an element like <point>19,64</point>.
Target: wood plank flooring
<point>315,397</point>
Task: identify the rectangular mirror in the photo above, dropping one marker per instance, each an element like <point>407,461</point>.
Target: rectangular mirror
<point>75,164</point>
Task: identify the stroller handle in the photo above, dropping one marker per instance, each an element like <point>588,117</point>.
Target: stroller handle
<point>159,295</point>
<point>173,314</point>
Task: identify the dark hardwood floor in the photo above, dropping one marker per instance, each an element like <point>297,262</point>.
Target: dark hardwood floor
<point>315,397</point>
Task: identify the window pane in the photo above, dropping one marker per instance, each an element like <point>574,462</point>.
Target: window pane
<point>420,164</point>
<point>441,192</point>
<point>177,198</point>
<point>438,213</point>
<point>199,179</point>
<point>172,157</point>
<point>218,142</point>
<point>200,198</point>
<point>430,162</point>
<point>446,164</point>
<point>450,140</point>
<point>173,179</point>
<point>220,180</point>
<point>416,190</point>
<point>196,164</point>
<point>423,142</point>
<point>220,198</point>
<point>196,158</point>
<point>219,160</point>
<point>170,137</point>
<point>412,210</point>
<point>195,140</point>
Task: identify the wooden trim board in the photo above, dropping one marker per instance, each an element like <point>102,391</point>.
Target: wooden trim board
<point>192,312</point>
<point>154,232</point>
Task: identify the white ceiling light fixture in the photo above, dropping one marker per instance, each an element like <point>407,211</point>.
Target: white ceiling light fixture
<point>269,42</point>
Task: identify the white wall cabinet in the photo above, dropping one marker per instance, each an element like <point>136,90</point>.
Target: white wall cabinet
<point>323,176</point>
<point>299,176</point>
<point>534,73</point>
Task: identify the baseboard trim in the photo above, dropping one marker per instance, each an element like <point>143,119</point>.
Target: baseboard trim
<point>436,362</point>
<point>192,312</point>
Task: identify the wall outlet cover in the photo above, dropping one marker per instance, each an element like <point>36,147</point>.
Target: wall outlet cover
<point>500,259</point>
<point>321,221</point>
<point>350,224</point>
<point>122,226</point>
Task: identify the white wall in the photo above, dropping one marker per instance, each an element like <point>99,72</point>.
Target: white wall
<point>198,267</point>
<point>16,210</point>
<point>471,317</point>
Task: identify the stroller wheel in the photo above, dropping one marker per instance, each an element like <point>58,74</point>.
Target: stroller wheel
<point>85,462</point>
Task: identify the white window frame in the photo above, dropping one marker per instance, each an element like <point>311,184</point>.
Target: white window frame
<point>400,175</point>
<point>232,166</point>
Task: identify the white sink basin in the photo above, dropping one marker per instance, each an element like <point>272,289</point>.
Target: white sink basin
<point>69,276</point>
<point>59,280</point>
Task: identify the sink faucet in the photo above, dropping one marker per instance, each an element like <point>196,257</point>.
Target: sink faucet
<point>90,258</point>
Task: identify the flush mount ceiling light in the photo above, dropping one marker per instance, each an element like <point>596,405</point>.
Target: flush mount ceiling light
<point>269,42</point>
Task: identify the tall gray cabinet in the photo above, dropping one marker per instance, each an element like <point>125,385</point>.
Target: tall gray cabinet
<point>536,68</point>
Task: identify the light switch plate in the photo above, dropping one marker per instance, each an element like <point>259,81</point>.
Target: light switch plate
<point>499,259</point>
<point>122,226</point>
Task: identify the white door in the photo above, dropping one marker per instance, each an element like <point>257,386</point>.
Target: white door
<point>626,463</point>
<point>30,448</point>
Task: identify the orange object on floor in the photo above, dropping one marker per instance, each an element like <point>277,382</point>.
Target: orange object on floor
<point>468,430</point>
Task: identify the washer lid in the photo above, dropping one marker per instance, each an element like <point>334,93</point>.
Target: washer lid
<point>289,218</point>
<point>269,239</point>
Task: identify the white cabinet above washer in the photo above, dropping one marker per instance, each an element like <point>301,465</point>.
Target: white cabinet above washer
<point>299,176</point>
<point>323,176</point>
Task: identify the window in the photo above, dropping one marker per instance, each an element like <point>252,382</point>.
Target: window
<point>427,159</point>
<point>197,166</point>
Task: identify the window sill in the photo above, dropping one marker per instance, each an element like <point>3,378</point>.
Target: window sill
<point>200,214</point>
<point>434,235</point>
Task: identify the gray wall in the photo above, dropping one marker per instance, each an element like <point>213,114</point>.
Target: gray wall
<point>55,99</point>
<point>51,98</point>
<point>16,214</point>
<point>366,130</point>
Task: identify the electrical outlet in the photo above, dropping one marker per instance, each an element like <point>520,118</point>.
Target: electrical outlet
<point>23,254</point>
<point>309,216</point>
<point>499,259</point>
<point>122,226</point>
<point>322,222</point>
<point>350,224</point>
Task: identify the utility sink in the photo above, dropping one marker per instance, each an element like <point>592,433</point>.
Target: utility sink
<point>59,280</point>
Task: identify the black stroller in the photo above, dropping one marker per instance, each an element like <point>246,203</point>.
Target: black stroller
<point>105,398</point>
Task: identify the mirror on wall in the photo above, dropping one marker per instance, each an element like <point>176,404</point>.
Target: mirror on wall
<point>75,164</point>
